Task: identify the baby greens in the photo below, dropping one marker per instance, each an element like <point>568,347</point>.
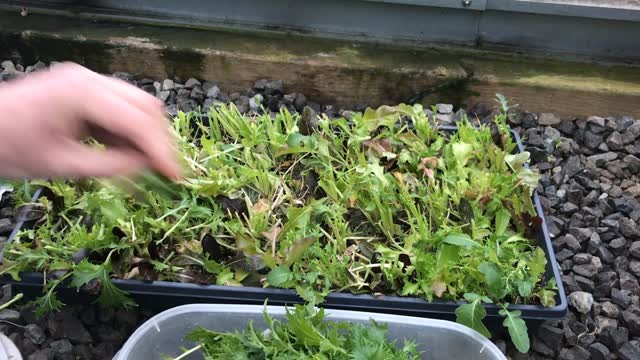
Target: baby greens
<point>381,203</point>
<point>305,335</point>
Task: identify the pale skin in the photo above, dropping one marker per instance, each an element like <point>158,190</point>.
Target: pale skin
<point>45,117</point>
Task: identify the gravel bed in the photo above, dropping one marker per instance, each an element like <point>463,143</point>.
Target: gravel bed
<point>590,191</point>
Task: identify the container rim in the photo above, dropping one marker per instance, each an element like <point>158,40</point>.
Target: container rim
<point>345,315</point>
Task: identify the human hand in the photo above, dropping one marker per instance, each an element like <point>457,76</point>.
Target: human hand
<point>45,117</point>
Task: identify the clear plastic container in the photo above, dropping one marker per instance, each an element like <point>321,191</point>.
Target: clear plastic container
<point>163,335</point>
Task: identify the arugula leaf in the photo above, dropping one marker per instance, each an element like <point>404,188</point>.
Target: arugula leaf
<point>493,278</point>
<point>462,240</point>
<point>517,328</point>
<point>472,314</point>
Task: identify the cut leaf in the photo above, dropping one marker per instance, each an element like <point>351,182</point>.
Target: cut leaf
<point>438,288</point>
<point>471,315</point>
<point>517,329</point>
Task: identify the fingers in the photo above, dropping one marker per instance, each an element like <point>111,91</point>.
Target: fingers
<point>78,160</point>
<point>127,112</point>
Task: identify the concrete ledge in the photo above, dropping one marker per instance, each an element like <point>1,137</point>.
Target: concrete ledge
<point>337,72</point>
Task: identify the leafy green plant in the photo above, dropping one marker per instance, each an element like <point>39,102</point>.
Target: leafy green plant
<point>305,335</point>
<point>382,203</point>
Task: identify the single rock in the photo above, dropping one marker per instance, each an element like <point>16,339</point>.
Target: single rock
<point>629,351</point>
<point>552,336</point>
<point>632,162</point>
<point>605,322</point>
<point>632,133</point>
<point>168,85</point>
<point>106,333</point>
<point>8,66</point>
<point>186,105</point>
<point>604,254</point>
<point>634,267</point>
<point>35,333</point>
<point>163,95</point>
<point>599,351</point>
<point>46,354</point>
<point>66,325</point>
<point>632,321</point>
<point>213,92</point>
<point>308,121</point>
<point>610,309</point>
<point>541,348</point>
<point>255,103</point>
<point>586,285</point>
<point>614,141</point>
<point>564,254</point>
<point>580,234</point>
<point>573,166</point>
<point>548,119</point>
<point>614,338</point>
<point>633,191</point>
<point>62,349</point>
<point>574,353</point>
<point>589,270</point>
<point>270,87</point>
<point>626,204</point>
<point>581,301</point>
<point>617,246</point>
<point>198,94</point>
<point>586,340</point>
<point>624,123</point>
<point>596,121</point>
<point>592,140</point>
<point>300,102</point>
<point>630,229</point>
<point>209,104</point>
<point>27,347</point>
<point>6,226</point>
<point>602,159</point>
<point>569,208</point>
<point>567,127</point>
<point>10,316</point>
<point>621,298</point>
<point>191,83</point>
<point>444,108</point>
<point>582,258</point>
<point>569,281</point>
<point>104,351</point>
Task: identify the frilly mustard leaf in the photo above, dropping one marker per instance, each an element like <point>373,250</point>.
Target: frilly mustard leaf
<point>279,276</point>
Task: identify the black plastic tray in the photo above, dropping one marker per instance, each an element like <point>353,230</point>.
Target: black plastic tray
<point>160,295</point>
